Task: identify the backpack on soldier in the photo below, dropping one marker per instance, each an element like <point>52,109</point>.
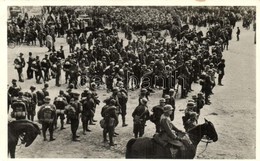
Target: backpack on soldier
<point>71,113</point>
<point>40,96</point>
<point>47,114</point>
<point>18,109</point>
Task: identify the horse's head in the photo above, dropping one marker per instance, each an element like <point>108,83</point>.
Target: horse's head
<point>210,131</point>
<point>25,129</point>
<point>32,130</point>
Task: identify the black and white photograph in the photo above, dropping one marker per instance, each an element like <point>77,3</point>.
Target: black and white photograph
<point>131,81</point>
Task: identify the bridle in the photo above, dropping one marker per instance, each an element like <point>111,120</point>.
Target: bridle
<point>207,141</point>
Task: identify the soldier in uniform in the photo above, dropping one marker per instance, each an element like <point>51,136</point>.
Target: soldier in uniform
<point>66,68</point>
<point>19,106</point>
<point>122,100</point>
<point>143,94</point>
<point>58,72</point>
<point>73,74</point>
<point>47,116</point>
<point>60,103</point>
<point>168,130</point>
<point>19,65</point>
<point>88,105</point>
<point>14,89</point>
<point>73,112</point>
<point>34,101</point>
<point>157,112</point>
<point>29,69</point>
<point>221,71</point>
<point>46,64</point>
<point>110,118</point>
<point>141,115</point>
<point>42,94</point>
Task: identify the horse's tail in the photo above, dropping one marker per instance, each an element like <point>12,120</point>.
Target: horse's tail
<point>129,148</point>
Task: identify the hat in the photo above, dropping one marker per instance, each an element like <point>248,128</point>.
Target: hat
<point>115,89</point>
<point>46,85</point>
<point>143,90</point>
<point>200,94</point>
<point>33,87</point>
<point>193,115</point>
<point>61,92</point>
<point>21,54</point>
<point>20,93</point>
<point>14,80</point>
<point>190,104</point>
<point>167,96</point>
<point>144,100</point>
<point>112,101</point>
<point>171,90</point>
<point>76,94</point>
<point>167,108</point>
<point>194,97</point>
<point>47,99</point>
<point>71,86</point>
<point>162,100</point>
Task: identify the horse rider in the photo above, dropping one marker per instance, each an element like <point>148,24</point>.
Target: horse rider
<point>47,116</point>
<point>141,115</point>
<point>157,112</point>
<point>110,117</point>
<point>168,131</point>
<point>60,102</point>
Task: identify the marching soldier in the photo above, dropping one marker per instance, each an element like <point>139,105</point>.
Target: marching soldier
<point>47,116</point>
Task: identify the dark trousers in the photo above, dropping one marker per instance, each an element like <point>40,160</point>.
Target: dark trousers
<point>58,79</point>
<point>85,120</point>
<point>237,37</point>
<point>20,74</point>
<point>46,75</point>
<point>74,127</point>
<point>110,131</point>
<point>220,76</point>
<point>139,129</point>
<point>29,73</point>
<point>45,127</point>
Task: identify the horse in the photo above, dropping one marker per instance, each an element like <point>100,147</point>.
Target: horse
<point>25,130</point>
<point>147,147</point>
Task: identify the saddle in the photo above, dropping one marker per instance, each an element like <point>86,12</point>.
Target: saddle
<point>175,146</point>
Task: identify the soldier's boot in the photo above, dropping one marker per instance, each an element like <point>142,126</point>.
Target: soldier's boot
<point>104,136</point>
<point>84,127</point>
<point>123,119</point>
<point>91,122</point>
<point>44,136</point>
<point>87,129</point>
<point>51,136</point>
<point>111,142</point>
<point>62,125</point>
